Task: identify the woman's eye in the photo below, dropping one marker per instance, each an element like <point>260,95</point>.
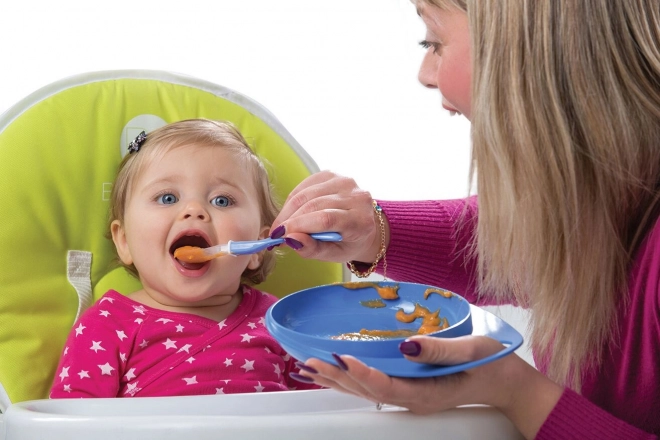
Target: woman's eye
<point>167,199</point>
<point>426,44</point>
<point>221,201</point>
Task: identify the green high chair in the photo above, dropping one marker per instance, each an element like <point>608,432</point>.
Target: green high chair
<point>59,151</point>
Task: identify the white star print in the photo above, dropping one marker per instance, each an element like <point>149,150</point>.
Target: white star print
<point>79,329</point>
<point>248,365</point>
<point>64,373</point>
<point>222,324</point>
<point>106,369</point>
<point>105,298</point>
<point>184,348</point>
<point>252,325</point>
<point>104,313</point>
<point>278,371</point>
<point>96,346</point>
<point>130,374</point>
<point>122,356</point>
<point>179,328</point>
<point>121,335</point>
<point>169,344</point>
<point>138,320</point>
<point>267,350</point>
<point>246,337</point>
<point>163,320</point>
<point>67,388</point>
<point>228,362</point>
<point>190,360</point>
<point>83,374</point>
<point>132,388</point>
<point>262,321</point>
<point>219,391</point>
<point>144,343</point>
<point>286,357</point>
<point>259,388</point>
<point>190,380</point>
<point>66,350</point>
<point>139,309</point>
<point>226,381</point>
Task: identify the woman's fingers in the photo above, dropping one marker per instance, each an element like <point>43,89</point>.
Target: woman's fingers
<point>324,184</point>
<point>328,202</point>
<point>449,351</point>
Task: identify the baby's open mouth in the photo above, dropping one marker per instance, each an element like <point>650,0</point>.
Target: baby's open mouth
<point>189,240</point>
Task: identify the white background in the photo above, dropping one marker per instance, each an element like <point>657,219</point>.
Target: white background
<point>341,75</point>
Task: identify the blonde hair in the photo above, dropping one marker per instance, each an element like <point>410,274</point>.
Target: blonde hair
<point>566,134</point>
<point>200,132</point>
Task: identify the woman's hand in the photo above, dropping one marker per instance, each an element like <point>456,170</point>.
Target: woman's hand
<point>329,202</point>
<point>523,394</point>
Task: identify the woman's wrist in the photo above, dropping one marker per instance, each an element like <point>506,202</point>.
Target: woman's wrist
<point>528,397</point>
<point>361,268</point>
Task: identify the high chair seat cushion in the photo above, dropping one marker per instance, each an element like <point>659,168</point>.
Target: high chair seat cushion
<point>59,151</point>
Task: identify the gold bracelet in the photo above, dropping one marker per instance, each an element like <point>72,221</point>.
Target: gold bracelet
<point>381,251</point>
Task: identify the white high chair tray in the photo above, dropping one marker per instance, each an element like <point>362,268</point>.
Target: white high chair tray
<point>317,414</point>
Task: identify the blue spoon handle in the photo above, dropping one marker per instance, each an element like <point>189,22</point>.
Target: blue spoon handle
<point>252,247</point>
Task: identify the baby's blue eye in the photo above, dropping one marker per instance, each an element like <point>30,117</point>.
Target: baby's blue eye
<point>167,199</point>
<point>221,201</point>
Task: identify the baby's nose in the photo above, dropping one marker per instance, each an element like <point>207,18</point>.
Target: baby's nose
<point>195,210</point>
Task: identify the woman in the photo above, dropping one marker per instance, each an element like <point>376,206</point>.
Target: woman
<point>564,100</point>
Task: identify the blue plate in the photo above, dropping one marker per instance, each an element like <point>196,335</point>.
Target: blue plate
<point>305,322</point>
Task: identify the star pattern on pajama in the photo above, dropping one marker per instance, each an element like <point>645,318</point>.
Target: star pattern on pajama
<point>121,348</point>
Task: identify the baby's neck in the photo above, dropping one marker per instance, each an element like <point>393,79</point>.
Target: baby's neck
<point>213,308</point>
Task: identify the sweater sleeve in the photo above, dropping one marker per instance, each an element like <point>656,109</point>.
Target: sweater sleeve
<point>575,417</point>
<point>430,243</point>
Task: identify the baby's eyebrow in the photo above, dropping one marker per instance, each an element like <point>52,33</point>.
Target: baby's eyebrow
<point>162,181</point>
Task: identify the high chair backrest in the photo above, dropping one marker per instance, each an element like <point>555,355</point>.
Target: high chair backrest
<point>59,152</point>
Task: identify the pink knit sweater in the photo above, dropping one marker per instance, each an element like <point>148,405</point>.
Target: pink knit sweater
<point>619,401</point>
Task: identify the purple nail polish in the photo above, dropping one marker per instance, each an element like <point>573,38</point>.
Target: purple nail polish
<point>340,363</point>
<point>300,378</point>
<point>410,348</point>
<point>278,232</point>
<point>304,367</point>
<point>293,243</point>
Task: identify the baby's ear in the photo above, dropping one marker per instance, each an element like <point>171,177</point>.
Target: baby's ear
<point>256,259</point>
<point>119,238</point>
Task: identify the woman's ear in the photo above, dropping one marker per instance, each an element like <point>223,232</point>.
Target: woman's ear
<point>119,238</point>
<point>256,259</point>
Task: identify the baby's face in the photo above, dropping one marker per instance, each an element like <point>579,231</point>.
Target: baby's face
<point>199,196</point>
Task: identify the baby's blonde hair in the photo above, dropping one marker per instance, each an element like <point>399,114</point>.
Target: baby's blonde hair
<point>206,133</point>
<point>566,133</point>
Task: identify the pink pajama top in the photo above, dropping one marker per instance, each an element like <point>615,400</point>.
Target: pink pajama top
<point>621,399</point>
<point>121,348</point>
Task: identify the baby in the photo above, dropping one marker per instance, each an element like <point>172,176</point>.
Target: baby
<point>193,328</point>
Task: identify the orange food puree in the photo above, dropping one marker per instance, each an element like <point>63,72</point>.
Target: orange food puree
<point>431,322</point>
<point>445,293</point>
<point>193,254</point>
<point>190,254</point>
<point>385,292</point>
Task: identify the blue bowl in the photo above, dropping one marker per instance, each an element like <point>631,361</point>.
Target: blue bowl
<point>305,322</point>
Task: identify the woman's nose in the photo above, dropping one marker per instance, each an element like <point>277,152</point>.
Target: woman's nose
<point>195,211</point>
<point>427,70</point>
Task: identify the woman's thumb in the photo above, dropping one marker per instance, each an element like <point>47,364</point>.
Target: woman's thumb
<point>448,351</point>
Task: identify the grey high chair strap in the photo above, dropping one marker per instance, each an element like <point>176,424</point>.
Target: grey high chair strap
<point>78,273</point>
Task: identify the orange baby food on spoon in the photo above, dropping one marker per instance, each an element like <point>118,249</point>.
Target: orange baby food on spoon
<point>194,254</point>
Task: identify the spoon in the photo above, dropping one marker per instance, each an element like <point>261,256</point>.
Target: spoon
<point>194,254</point>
